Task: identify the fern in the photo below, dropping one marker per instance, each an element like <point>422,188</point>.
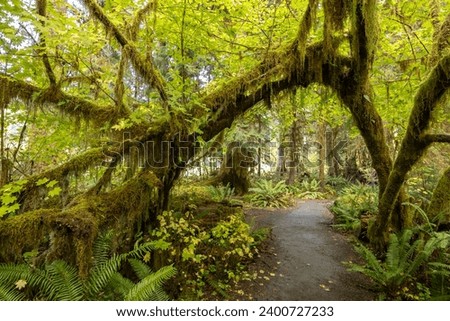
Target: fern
<point>267,194</point>
<point>10,294</point>
<point>310,190</point>
<point>102,248</point>
<point>221,193</point>
<point>60,281</point>
<point>150,287</point>
<point>65,281</point>
<point>102,274</point>
<point>141,269</point>
<point>404,258</point>
<point>120,284</point>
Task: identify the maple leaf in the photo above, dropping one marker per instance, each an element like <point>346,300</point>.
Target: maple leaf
<point>20,284</point>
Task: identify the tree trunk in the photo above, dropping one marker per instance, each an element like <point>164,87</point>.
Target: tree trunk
<point>235,169</point>
<point>322,154</point>
<point>439,208</point>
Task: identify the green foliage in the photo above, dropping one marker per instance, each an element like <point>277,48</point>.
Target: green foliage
<point>185,196</point>
<point>337,183</point>
<point>205,255</point>
<point>266,193</point>
<point>420,186</point>
<point>9,198</point>
<point>60,281</point>
<point>308,189</point>
<point>150,287</point>
<point>407,259</point>
<point>221,194</point>
<point>355,203</point>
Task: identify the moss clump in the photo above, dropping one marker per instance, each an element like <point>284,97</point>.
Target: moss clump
<point>70,233</point>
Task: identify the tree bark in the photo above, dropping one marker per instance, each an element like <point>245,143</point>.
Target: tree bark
<point>439,208</point>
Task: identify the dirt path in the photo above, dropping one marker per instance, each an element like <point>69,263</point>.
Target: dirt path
<point>304,259</point>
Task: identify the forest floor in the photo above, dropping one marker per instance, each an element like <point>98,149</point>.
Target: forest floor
<point>303,258</point>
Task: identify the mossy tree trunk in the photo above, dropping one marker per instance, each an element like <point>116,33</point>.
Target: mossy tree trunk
<point>234,170</point>
<point>439,208</point>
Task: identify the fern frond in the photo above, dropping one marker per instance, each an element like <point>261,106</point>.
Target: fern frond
<point>150,285</point>
<point>102,274</point>
<point>120,284</point>
<point>159,295</point>
<point>66,281</point>
<point>141,249</point>
<point>102,248</point>
<point>440,268</point>
<point>10,294</point>
<point>12,272</point>
<point>36,278</point>
<point>141,269</point>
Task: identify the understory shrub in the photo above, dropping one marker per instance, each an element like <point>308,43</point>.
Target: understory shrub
<point>206,256</point>
<point>308,189</point>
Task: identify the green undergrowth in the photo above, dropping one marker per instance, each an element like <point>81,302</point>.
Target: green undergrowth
<point>353,208</point>
<point>210,249</point>
<point>267,193</point>
<point>416,266</point>
<point>60,281</point>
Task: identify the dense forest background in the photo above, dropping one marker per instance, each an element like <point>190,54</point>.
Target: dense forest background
<point>132,134</point>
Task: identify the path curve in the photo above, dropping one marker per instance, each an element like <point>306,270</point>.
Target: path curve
<point>306,257</point>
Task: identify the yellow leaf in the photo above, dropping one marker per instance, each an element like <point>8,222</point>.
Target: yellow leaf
<point>20,284</point>
<point>147,257</point>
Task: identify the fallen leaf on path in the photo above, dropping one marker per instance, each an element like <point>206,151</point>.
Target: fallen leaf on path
<point>323,286</point>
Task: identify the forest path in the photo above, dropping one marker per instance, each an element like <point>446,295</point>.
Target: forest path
<point>303,260</point>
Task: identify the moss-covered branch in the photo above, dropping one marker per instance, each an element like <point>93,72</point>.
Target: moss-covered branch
<point>70,232</point>
<point>68,104</point>
<point>145,67</point>
<point>435,138</point>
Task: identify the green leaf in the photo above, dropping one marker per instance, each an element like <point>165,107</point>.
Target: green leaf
<point>42,181</point>
<point>13,208</point>
<point>51,183</point>
<point>3,211</point>
<point>54,192</point>
<point>8,199</point>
